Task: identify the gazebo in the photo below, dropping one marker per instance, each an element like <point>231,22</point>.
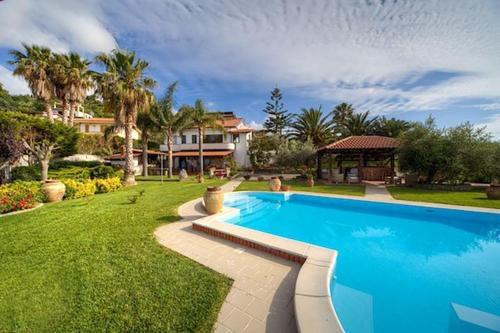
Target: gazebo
<point>374,156</point>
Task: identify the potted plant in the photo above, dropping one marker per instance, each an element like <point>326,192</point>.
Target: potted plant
<point>274,184</point>
<point>493,191</point>
<point>54,190</point>
<point>310,179</point>
<point>247,177</point>
<point>261,178</point>
<point>213,199</point>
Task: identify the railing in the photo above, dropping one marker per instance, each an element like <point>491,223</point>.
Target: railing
<point>194,146</point>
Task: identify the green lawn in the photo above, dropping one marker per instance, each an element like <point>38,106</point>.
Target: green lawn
<point>296,185</point>
<point>94,265</point>
<point>476,197</point>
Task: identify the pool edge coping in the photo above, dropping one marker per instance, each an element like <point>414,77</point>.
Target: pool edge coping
<point>314,310</point>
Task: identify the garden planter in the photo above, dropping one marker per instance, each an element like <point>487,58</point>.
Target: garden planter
<point>310,182</point>
<point>213,200</point>
<point>211,172</point>
<point>285,188</point>
<point>54,190</point>
<point>261,178</point>
<point>274,184</point>
<point>493,192</point>
<point>247,177</point>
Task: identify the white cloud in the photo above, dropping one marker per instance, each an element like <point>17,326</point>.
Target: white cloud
<point>359,51</point>
<point>255,125</point>
<point>493,125</point>
<point>61,25</point>
<point>14,85</point>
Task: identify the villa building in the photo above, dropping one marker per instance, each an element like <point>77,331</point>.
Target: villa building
<point>98,126</point>
<point>218,146</point>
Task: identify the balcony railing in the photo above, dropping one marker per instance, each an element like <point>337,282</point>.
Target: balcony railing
<point>194,146</point>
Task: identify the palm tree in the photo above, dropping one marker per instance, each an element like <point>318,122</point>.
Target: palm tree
<point>312,125</point>
<point>340,113</point>
<point>359,124</point>
<point>201,119</point>
<point>391,127</point>
<point>59,77</point>
<point>147,127</point>
<point>170,122</point>
<point>79,81</point>
<point>125,90</point>
<point>34,65</point>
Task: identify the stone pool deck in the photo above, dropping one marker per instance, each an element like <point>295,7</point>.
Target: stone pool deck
<point>261,298</point>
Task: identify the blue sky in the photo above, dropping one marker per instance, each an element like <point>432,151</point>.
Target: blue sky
<point>406,59</point>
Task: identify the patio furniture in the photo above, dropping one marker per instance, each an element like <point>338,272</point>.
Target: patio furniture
<point>352,176</point>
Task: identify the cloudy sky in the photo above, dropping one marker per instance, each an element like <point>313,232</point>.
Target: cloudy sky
<point>406,59</point>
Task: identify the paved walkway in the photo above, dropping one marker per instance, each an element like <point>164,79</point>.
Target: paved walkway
<point>377,192</point>
<point>261,298</point>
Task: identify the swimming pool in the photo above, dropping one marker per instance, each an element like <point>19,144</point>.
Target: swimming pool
<point>400,268</point>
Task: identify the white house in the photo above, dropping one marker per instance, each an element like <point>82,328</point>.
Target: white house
<point>98,126</point>
<point>218,146</point>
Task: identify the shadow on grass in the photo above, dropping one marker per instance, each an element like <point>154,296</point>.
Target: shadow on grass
<point>169,218</point>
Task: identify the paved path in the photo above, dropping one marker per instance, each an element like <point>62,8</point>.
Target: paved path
<point>377,192</point>
<point>261,298</point>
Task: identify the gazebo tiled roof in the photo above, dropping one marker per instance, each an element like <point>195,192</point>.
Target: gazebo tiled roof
<point>362,142</point>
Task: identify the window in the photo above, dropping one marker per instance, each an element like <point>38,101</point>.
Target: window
<point>213,138</point>
<point>194,138</point>
<point>176,140</point>
<point>183,139</point>
<point>236,138</point>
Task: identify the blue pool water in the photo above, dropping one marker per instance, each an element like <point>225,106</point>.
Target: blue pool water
<point>400,268</point>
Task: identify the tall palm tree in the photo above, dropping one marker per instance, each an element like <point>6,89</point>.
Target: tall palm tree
<point>312,125</point>
<point>79,81</point>
<point>125,90</point>
<point>34,65</point>
<point>201,119</point>
<point>170,122</point>
<point>391,126</point>
<point>147,127</point>
<point>359,124</point>
<point>340,113</point>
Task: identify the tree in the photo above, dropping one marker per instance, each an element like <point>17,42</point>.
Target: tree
<point>262,148</point>
<point>201,119</point>
<point>125,90</point>
<point>359,124</point>
<point>59,75</point>
<point>147,126</point>
<point>19,103</point>
<point>339,114</point>
<point>170,122</point>
<point>295,154</point>
<point>391,127</point>
<point>42,138</point>
<point>79,81</point>
<point>11,145</point>
<point>312,125</point>
<point>34,65</point>
<point>277,117</point>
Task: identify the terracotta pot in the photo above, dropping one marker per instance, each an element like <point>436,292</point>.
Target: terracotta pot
<point>213,200</point>
<point>310,182</point>
<point>493,192</point>
<point>54,190</point>
<point>285,188</point>
<point>274,184</point>
<point>261,178</point>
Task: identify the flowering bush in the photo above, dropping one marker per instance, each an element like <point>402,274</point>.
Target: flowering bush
<point>76,189</point>
<point>107,185</point>
<point>19,195</point>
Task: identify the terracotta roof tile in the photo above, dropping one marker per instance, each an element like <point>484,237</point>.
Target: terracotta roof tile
<point>363,142</point>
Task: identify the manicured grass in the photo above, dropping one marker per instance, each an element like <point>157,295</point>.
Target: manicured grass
<point>94,265</point>
<point>296,185</point>
<point>476,197</point>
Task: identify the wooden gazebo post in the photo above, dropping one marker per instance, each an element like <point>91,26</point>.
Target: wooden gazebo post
<point>318,166</point>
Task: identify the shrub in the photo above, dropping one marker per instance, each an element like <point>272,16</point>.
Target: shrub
<point>76,189</point>
<point>57,165</point>
<point>108,185</point>
<point>103,172</point>
<point>74,172</point>
<point>19,195</point>
<point>26,173</point>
